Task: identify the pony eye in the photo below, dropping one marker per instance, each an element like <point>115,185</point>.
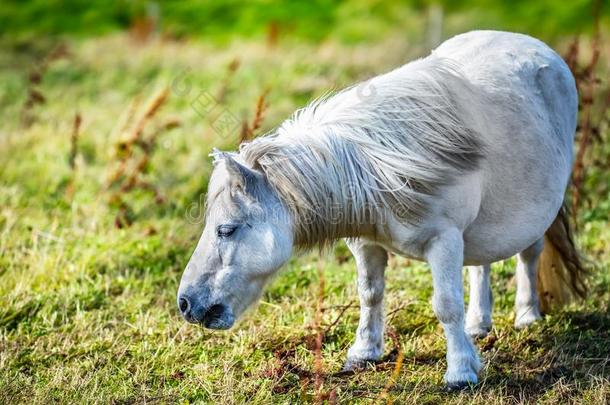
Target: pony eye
<point>224,231</point>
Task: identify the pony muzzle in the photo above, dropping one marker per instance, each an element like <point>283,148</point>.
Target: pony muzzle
<point>216,316</point>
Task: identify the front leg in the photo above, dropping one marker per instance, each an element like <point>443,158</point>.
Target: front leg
<point>371,261</point>
<point>445,254</point>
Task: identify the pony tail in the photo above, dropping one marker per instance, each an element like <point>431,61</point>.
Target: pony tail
<point>561,271</point>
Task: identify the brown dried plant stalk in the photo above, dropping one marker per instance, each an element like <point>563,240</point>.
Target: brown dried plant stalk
<point>34,79</point>
<point>154,104</point>
<point>72,155</point>
<point>586,81</point>
<point>318,364</point>
<point>384,397</point>
<point>74,141</point>
<point>587,100</point>
<point>226,81</point>
<point>249,130</point>
<point>134,153</point>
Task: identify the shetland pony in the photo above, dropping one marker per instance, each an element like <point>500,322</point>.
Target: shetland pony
<point>460,158</point>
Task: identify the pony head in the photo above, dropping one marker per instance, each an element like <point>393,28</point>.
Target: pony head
<point>246,239</point>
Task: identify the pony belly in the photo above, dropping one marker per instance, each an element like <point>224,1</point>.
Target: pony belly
<point>494,238</point>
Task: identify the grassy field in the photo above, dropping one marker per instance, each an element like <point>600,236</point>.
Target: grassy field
<point>100,208</point>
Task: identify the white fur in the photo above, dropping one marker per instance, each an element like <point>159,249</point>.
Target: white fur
<point>461,158</point>
<point>526,302</point>
<point>371,261</point>
<point>478,316</point>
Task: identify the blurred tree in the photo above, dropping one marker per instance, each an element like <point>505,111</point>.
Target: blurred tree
<point>311,20</point>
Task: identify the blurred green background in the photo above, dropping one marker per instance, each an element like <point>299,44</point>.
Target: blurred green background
<point>310,20</point>
<point>101,203</point>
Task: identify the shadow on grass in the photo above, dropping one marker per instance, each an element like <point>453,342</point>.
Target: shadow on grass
<point>572,349</point>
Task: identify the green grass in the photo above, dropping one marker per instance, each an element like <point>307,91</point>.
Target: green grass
<point>88,313</point>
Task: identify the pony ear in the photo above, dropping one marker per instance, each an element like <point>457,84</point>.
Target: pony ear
<point>241,176</point>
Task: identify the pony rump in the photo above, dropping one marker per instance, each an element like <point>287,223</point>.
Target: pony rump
<point>388,143</point>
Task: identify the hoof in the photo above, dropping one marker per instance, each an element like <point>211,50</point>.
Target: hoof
<point>462,371</point>
<point>478,332</point>
<point>358,364</point>
<point>526,318</point>
<point>459,386</point>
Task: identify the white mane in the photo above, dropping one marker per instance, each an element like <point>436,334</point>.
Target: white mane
<point>389,143</point>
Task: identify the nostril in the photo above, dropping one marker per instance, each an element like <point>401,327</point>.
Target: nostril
<point>184,305</point>
<point>215,311</point>
<point>218,316</point>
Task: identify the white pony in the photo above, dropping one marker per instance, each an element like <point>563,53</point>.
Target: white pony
<point>460,158</point>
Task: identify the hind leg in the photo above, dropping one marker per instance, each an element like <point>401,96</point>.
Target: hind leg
<point>527,310</point>
<point>478,316</point>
